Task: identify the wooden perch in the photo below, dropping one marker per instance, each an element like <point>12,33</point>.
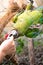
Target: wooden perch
<point>31,52</point>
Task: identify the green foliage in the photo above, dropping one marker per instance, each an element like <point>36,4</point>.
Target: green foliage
<point>20,45</point>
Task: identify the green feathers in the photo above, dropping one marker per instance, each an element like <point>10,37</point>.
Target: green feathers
<point>26,19</point>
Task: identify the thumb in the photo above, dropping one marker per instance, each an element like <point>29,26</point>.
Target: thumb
<point>10,40</point>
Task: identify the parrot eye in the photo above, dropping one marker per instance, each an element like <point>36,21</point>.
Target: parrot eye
<point>10,35</point>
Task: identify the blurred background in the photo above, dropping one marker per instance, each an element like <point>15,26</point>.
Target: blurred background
<point>4,5</point>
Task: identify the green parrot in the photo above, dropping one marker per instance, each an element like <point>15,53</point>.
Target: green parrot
<point>26,19</point>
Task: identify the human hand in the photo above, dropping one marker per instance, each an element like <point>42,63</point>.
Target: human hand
<point>8,46</point>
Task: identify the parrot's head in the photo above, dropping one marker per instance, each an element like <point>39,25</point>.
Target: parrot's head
<point>13,33</point>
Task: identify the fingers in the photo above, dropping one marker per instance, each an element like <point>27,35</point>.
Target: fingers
<point>10,40</point>
<point>7,43</point>
<point>8,46</point>
<point>11,51</point>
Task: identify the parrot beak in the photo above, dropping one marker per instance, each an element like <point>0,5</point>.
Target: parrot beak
<point>13,33</point>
